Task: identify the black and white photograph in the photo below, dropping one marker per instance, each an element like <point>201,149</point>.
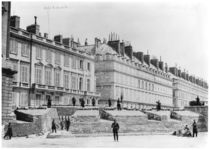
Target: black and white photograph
<point>105,74</point>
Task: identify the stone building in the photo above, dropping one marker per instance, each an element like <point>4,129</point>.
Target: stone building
<point>7,72</point>
<point>48,68</point>
<point>132,77</point>
<point>187,88</point>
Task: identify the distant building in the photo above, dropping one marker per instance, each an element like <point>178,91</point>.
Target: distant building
<point>47,68</point>
<point>187,88</point>
<point>132,77</point>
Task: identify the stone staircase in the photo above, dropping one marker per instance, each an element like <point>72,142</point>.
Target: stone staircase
<point>135,122</point>
<point>98,121</point>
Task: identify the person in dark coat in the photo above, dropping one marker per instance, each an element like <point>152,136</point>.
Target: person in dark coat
<point>115,127</point>
<point>53,126</point>
<point>82,103</point>
<point>195,130</point>
<point>74,101</point>
<point>118,105</point>
<point>49,103</point>
<point>110,103</point>
<point>93,102</point>
<point>9,132</point>
<point>62,123</point>
<point>158,105</point>
<point>67,124</point>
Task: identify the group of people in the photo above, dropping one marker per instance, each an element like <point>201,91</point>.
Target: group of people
<point>64,124</point>
<point>186,132</point>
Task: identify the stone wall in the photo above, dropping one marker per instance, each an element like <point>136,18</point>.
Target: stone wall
<point>198,109</point>
<point>34,124</point>
<point>7,112</point>
<point>203,117</point>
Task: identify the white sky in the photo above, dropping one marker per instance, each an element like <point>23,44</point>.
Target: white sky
<point>174,31</point>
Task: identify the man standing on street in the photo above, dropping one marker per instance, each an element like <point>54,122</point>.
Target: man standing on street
<point>53,126</point>
<point>195,130</point>
<point>115,127</point>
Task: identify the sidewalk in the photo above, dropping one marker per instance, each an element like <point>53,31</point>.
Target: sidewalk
<point>142,141</point>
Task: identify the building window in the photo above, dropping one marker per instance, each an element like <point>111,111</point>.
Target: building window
<point>66,80</point>
<point>57,78</point>
<point>73,63</point>
<point>57,100</point>
<point>57,58</point>
<point>24,50</point>
<point>38,74</point>
<point>142,84</point>
<point>73,82</point>
<point>80,84</point>
<point>88,66</point>
<point>48,75</point>
<point>139,83</point>
<point>24,73</point>
<point>48,56</point>
<point>145,85</point>
<point>38,100</point>
<point>38,52</point>
<point>81,64</point>
<point>66,61</point>
<point>13,47</point>
<point>88,84</point>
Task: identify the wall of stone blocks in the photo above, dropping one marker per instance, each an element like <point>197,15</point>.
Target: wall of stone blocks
<point>7,112</point>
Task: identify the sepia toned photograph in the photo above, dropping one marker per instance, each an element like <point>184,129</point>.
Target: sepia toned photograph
<point>125,74</point>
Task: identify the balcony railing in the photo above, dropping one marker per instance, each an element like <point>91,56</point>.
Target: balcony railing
<point>51,87</point>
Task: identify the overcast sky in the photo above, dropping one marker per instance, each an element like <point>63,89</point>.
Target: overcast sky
<point>174,31</point>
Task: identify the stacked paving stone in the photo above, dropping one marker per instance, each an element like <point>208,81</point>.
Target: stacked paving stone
<point>7,114</point>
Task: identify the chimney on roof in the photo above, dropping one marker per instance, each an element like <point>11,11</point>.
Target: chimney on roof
<point>46,35</point>
<point>35,18</point>
<point>129,51</point>
<point>187,76</point>
<point>166,67</point>
<point>183,74</point>
<point>115,45</point>
<point>179,72</point>
<point>97,42</point>
<point>122,48</point>
<point>139,56</point>
<point>173,70</point>
<point>147,58</point>
<point>34,28</point>
<point>58,38</point>
<point>161,64</point>
<point>15,21</point>
<point>191,78</point>
<point>155,63</point>
<point>86,43</point>
<point>67,41</point>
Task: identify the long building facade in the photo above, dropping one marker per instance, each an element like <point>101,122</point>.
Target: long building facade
<point>187,88</point>
<point>47,68</point>
<point>66,72</point>
<point>133,78</point>
<point>138,80</point>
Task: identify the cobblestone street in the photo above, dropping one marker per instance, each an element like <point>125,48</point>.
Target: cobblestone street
<point>143,141</point>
